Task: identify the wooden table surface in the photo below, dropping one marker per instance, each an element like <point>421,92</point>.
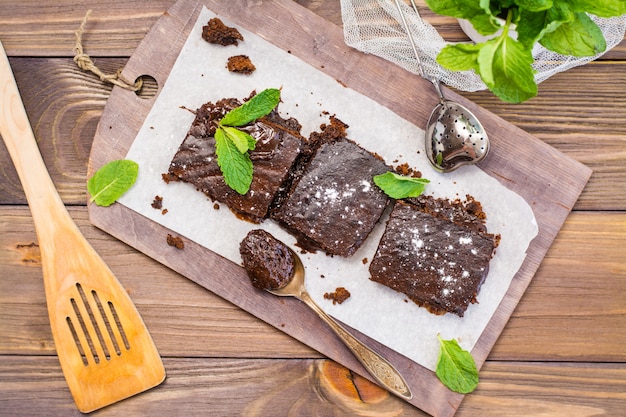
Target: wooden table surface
<point>563,352</point>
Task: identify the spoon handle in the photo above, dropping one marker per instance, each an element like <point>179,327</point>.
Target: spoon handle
<point>384,372</point>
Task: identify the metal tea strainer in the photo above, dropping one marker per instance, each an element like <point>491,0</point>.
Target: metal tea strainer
<point>454,136</point>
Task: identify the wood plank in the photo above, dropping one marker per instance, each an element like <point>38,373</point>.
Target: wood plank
<point>65,124</point>
<point>573,303</point>
<point>117,27</point>
<point>47,28</point>
<point>586,123</point>
<point>33,386</point>
<point>582,276</point>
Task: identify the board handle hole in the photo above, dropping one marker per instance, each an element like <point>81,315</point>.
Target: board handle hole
<point>149,86</point>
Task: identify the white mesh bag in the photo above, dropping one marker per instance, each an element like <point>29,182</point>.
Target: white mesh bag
<point>375,27</point>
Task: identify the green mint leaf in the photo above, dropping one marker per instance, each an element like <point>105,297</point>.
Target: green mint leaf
<point>534,5</point>
<point>399,186</point>
<point>458,9</point>
<point>235,166</point>
<point>111,181</point>
<point>456,367</point>
<point>533,25</point>
<point>579,37</point>
<point>505,66</point>
<point>459,57</point>
<point>479,13</point>
<point>232,145</point>
<point>603,8</point>
<point>243,141</point>
<point>258,106</point>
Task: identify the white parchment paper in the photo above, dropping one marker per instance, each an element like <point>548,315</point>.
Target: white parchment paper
<point>200,75</point>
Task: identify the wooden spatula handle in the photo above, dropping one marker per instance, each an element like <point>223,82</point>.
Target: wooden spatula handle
<point>18,136</point>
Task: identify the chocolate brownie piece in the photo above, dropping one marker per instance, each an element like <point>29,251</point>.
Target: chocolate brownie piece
<point>278,145</point>
<point>267,261</point>
<point>216,32</point>
<point>436,252</point>
<point>332,203</point>
<point>240,64</point>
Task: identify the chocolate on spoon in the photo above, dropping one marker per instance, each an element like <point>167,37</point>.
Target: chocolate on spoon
<point>274,267</point>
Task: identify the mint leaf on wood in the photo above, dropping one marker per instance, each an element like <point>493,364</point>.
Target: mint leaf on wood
<point>399,186</point>
<point>111,181</point>
<point>456,367</point>
<point>236,167</point>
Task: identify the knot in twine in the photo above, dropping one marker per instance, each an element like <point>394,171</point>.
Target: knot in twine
<point>84,62</point>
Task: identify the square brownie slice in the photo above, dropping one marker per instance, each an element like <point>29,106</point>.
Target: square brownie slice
<point>436,252</point>
<point>278,145</point>
<point>332,203</point>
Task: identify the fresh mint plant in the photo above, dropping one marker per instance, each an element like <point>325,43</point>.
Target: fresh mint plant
<point>400,186</point>
<point>111,181</point>
<point>505,64</point>
<point>232,144</point>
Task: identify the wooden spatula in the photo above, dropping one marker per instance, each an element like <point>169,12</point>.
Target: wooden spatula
<point>104,347</point>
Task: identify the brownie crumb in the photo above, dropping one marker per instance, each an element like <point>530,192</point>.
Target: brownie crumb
<point>216,32</point>
<point>168,177</point>
<point>407,171</point>
<point>339,296</point>
<point>175,241</point>
<point>157,203</point>
<point>164,211</point>
<point>240,64</point>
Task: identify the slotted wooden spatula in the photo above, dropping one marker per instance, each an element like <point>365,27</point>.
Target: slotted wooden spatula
<point>104,347</point>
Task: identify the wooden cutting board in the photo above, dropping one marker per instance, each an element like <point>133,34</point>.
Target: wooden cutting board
<point>547,179</point>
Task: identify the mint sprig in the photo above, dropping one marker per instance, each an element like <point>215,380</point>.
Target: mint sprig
<point>111,181</point>
<point>232,144</point>
<point>400,186</point>
<point>505,64</point>
<point>456,367</point>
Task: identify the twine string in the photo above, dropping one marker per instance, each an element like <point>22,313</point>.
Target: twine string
<point>85,63</point>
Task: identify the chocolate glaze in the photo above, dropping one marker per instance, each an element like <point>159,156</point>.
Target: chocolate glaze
<point>435,254</point>
<point>268,262</point>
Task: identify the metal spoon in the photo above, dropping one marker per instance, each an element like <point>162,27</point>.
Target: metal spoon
<point>454,136</point>
<point>377,366</point>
